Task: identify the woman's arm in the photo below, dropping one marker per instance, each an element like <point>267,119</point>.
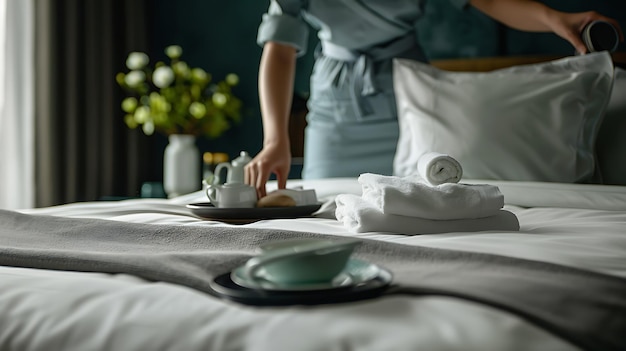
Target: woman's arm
<point>532,16</point>
<point>276,80</point>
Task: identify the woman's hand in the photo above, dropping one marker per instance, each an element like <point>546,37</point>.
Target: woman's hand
<point>569,26</point>
<point>534,16</point>
<point>273,159</point>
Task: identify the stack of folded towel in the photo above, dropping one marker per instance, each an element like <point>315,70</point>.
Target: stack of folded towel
<point>431,201</point>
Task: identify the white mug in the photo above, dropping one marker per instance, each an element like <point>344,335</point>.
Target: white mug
<point>600,36</point>
<point>232,195</point>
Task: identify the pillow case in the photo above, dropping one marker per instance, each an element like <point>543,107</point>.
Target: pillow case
<point>611,143</point>
<point>535,122</point>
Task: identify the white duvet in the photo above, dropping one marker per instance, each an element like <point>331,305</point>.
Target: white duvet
<point>575,225</point>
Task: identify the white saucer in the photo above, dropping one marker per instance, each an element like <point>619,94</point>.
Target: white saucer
<point>356,272</point>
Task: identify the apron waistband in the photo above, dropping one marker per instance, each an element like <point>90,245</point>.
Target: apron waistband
<point>377,53</point>
<point>362,78</point>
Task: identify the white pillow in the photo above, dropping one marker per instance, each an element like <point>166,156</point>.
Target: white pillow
<point>534,122</point>
<point>611,143</point>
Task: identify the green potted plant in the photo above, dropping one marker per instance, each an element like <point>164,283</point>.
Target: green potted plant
<point>181,102</point>
<point>175,98</point>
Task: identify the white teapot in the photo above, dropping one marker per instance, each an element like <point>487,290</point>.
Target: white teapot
<point>234,170</point>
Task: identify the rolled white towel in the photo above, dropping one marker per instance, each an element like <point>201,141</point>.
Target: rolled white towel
<point>411,196</point>
<point>360,216</point>
<point>437,168</point>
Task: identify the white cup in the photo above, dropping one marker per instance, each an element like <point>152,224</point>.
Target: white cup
<point>600,36</point>
<point>232,195</point>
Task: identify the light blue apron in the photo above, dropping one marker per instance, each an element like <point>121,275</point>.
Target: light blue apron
<point>352,125</point>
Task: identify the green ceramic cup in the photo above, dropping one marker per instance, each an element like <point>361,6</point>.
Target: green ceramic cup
<point>300,261</point>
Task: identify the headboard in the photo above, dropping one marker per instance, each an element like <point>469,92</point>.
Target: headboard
<point>490,63</point>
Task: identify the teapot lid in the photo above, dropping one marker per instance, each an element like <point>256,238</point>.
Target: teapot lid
<point>243,159</point>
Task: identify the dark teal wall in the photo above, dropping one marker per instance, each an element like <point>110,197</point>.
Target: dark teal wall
<point>447,32</point>
<point>220,36</point>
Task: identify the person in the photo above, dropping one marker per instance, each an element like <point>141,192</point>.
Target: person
<point>351,124</point>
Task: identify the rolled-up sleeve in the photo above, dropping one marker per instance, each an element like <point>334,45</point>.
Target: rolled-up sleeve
<point>283,23</point>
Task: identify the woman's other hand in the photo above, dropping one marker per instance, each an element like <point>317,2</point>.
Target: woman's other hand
<point>569,26</point>
<point>534,16</point>
<point>276,79</point>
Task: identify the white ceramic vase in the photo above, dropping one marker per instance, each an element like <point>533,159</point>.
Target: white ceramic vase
<point>181,165</point>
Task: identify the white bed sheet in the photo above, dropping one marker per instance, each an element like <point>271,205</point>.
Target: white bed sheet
<point>574,225</point>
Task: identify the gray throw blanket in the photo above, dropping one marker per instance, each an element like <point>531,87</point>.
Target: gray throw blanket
<point>586,308</point>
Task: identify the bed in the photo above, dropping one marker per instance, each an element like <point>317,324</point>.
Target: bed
<point>139,274</point>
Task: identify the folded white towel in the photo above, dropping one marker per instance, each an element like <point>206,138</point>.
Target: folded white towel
<point>437,168</point>
<point>411,196</point>
<point>359,216</point>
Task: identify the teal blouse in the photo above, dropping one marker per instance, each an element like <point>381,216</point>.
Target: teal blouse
<point>352,126</point>
<point>353,24</point>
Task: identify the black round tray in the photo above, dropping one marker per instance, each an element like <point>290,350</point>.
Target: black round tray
<point>209,211</point>
<point>224,287</point>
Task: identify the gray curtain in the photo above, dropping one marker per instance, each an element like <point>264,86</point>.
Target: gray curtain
<point>84,150</point>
